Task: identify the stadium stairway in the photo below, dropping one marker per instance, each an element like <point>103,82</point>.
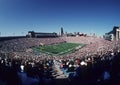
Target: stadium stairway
<point>58,77</point>
<point>57,73</point>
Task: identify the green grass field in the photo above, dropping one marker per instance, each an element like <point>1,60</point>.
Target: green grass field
<point>59,49</point>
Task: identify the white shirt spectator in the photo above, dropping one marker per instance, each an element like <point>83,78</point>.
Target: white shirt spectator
<point>22,68</point>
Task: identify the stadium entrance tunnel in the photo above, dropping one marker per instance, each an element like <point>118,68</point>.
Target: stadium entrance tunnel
<point>55,52</point>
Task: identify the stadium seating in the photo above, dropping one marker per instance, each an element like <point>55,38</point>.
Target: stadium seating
<point>96,63</point>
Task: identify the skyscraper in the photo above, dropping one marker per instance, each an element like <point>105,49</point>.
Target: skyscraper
<point>62,31</point>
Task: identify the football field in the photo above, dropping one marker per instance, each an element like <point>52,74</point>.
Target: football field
<point>59,49</point>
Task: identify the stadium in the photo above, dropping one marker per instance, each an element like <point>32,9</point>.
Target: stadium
<point>50,59</point>
<point>59,42</point>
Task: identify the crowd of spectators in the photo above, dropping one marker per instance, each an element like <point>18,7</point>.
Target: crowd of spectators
<point>95,70</point>
<point>20,70</point>
<point>97,63</point>
<point>22,44</point>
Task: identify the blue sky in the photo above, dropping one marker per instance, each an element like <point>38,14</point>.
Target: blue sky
<point>17,17</point>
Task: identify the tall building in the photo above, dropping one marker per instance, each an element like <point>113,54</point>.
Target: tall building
<point>114,34</point>
<point>62,32</point>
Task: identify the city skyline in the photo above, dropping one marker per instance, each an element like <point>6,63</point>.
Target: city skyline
<point>17,17</point>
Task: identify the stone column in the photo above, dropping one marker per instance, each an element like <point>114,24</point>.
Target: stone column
<point>117,35</point>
